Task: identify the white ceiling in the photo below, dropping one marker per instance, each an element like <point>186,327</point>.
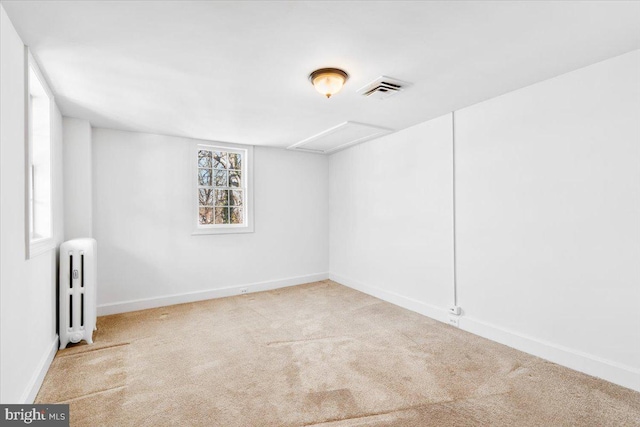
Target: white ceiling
<point>237,71</point>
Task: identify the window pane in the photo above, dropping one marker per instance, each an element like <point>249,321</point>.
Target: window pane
<point>220,160</point>
<point>236,215</point>
<point>221,178</point>
<point>205,197</point>
<point>222,197</point>
<point>40,159</point>
<point>235,161</point>
<point>235,179</point>
<point>204,177</point>
<point>236,197</point>
<point>222,215</point>
<point>221,188</point>
<point>205,216</point>
<point>204,159</point>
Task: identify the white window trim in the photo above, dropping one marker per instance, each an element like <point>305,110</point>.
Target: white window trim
<point>38,246</point>
<point>248,206</point>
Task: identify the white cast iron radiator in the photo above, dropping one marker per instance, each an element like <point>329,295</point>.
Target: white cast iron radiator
<point>78,276</point>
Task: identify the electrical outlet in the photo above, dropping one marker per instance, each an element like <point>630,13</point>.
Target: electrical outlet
<point>454,309</point>
<point>243,291</point>
<point>453,321</point>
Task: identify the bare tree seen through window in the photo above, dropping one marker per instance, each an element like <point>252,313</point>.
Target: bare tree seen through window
<point>220,188</point>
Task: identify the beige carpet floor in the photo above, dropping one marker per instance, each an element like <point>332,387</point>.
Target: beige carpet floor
<point>316,355</point>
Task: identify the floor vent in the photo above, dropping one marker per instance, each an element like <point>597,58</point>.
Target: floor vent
<point>383,87</point>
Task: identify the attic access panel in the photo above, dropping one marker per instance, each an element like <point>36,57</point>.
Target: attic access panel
<point>340,137</point>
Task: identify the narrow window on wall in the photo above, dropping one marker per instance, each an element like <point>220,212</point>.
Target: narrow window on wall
<point>223,190</point>
<point>39,221</point>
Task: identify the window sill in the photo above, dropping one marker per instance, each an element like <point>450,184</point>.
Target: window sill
<point>40,246</point>
<point>222,230</point>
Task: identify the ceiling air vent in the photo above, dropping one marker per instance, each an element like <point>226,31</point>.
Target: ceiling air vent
<point>383,87</point>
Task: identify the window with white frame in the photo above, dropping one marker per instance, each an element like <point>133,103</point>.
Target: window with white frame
<point>223,189</point>
<point>38,174</point>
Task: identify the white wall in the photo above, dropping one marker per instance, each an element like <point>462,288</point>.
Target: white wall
<point>548,211</point>
<point>143,222</point>
<point>28,337</point>
<point>391,210</point>
<point>547,219</point>
<point>78,221</point>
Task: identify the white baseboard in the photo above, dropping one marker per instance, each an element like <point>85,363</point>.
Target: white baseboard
<point>30,393</point>
<point>614,372</point>
<point>162,301</point>
<point>608,370</point>
<point>425,309</point>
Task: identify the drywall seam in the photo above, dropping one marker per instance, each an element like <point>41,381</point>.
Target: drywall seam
<point>162,301</point>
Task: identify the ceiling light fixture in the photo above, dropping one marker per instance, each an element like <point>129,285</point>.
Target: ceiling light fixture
<point>328,81</point>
